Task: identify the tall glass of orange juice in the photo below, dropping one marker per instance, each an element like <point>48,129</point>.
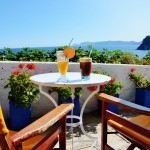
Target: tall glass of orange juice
<point>62,63</point>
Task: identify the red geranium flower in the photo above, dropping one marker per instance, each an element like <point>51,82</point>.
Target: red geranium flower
<point>31,66</point>
<point>102,87</point>
<point>16,72</point>
<point>132,69</point>
<point>21,66</point>
<point>112,80</point>
<point>92,88</point>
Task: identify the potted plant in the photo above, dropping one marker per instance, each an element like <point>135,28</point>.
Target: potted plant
<point>21,95</point>
<point>142,93</point>
<point>112,88</point>
<point>64,96</point>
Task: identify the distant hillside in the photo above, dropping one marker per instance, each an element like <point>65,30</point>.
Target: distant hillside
<point>145,44</point>
<point>108,43</point>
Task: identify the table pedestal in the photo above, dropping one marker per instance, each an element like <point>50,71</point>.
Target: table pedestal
<point>80,118</point>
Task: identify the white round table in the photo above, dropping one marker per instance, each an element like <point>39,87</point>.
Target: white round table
<point>50,79</point>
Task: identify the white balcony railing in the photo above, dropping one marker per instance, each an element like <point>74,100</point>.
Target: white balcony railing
<point>120,71</point>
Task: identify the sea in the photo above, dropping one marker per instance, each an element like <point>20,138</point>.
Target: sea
<point>123,48</point>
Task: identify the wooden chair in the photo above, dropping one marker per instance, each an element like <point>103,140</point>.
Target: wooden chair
<point>136,129</point>
<point>30,135</point>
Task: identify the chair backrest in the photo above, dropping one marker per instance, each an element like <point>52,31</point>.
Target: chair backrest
<point>4,132</point>
<point>54,122</point>
<point>3,128</point>
<point>137,132</point>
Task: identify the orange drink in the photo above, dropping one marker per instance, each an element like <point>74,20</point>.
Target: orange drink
<point>62,63</point>
<point>62,67</point>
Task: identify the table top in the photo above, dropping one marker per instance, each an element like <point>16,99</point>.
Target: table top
<point>50,79</point>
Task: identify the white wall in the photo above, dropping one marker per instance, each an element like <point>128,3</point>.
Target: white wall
<point>120,71</point>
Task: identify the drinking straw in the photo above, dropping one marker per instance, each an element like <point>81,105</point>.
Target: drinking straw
<point>91,49</point>
<point>69,45</point>
<point>70,42</point>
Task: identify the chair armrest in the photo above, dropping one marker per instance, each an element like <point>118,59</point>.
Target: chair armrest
<point>42,124</point>
<point>123,104</point>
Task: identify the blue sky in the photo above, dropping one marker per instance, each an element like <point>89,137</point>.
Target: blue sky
<point>37,23</point>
